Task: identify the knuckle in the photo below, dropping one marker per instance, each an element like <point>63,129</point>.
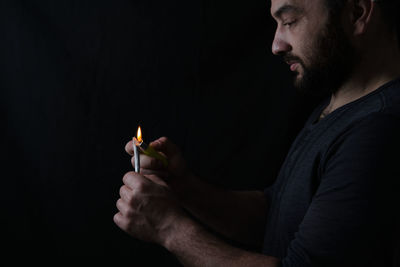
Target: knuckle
<point>126,194</point>
<point>127,147</point>
<point>117,218</point>
<point>119,204</point>
<point>127,177</point>
<point>122,190</point>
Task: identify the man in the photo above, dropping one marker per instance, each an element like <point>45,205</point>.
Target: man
<point>334,201</point>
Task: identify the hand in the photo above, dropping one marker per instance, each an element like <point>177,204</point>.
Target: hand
<point>176,171</point>
<point>147,210</point>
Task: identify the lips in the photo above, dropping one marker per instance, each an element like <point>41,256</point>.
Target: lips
<point>294,66</point>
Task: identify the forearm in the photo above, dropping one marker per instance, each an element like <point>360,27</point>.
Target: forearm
<point>239,216</point>
<point>194,246</point>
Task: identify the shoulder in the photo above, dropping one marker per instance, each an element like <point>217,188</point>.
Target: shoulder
<point>379,127</point>
<point>368,144</point>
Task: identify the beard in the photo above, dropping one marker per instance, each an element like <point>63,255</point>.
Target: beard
<point>331,59</point>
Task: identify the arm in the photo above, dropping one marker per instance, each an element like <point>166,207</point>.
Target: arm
<point>194,246</point>
<point>149,211</point>
<point>224,211</point>
<point>237,215</point>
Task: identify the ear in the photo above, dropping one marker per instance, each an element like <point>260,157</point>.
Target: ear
<point>361,15</point>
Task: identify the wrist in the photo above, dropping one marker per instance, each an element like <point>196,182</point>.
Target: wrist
<point>182,229</point>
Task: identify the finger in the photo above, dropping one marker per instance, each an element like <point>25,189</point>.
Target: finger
<point>129,148</point>
<point>126,194</point>
<point>149,162</point>
<point>146,172</point>
<point>123,207</point>
<point>120,221</point>
<point>135,181</point>
<point>164,145</point>
<point>156,179</point>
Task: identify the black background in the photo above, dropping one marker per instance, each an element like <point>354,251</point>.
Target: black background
<point>78,77</point>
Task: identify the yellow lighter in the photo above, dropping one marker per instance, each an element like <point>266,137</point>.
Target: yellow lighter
<point>148,150</point>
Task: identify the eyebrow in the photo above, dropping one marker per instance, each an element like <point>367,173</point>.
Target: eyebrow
<point>285,9</point>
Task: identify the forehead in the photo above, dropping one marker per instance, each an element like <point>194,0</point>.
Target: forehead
<point>305,6</point>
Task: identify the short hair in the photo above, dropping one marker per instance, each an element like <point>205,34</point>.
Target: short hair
<point>390,10</point>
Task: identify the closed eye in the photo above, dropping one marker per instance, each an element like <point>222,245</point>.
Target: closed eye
<point>290,23</point>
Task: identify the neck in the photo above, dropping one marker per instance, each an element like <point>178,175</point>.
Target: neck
<point>376,67</point>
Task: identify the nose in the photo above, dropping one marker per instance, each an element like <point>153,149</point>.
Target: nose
<point>280,45</point>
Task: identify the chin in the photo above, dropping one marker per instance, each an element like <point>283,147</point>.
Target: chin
<point>298,80</point>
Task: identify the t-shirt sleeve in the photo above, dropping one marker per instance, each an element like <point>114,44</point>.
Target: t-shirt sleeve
<point>352,213</point>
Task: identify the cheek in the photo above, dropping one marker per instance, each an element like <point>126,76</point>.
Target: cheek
<point>309,53</point>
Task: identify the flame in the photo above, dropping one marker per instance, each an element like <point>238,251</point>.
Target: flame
<point>139,135</point>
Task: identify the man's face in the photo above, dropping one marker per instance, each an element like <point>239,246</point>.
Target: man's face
<point>312,41</point>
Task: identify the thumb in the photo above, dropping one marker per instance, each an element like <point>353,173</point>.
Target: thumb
<point>164,145</point>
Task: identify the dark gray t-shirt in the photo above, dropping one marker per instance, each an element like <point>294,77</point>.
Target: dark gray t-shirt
<point>334,202</point>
